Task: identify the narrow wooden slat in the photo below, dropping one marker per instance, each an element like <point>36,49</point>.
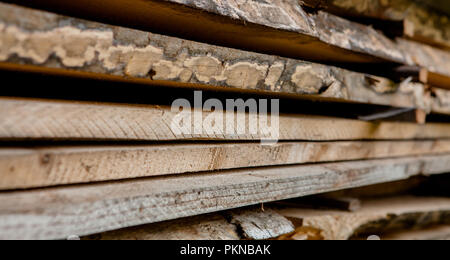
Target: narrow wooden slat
<point>434,79</point>
<point>89,209</point>
<point>43,119</point>
<point>39,167</point>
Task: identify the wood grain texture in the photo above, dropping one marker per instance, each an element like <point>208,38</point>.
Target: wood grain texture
<point>39,167</point>
<point>48,43</point>
<point>90,209</point>
<point>422,23</point>
<point>205,227</point>
<point>260,224</point>
<point>376,217</point>
<point>274,26</point>
<point>46,119</point>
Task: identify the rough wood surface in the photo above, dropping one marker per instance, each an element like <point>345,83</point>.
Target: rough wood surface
<point>421,22</point>
<point>247,223</point>
<point>441,232</point>
<point>280,27</point>
<point>260,224</point>
<point>39,167</point>
<point>90,209</point>
<point>44,119</point>
<point>208,227</point>
<point>75,46</point>
<point>376,217</point>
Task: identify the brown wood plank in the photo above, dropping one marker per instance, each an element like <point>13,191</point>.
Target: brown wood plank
<point>276,27</point>
<point>38,167</point>
<point>90,209</point>
<point>435,79</point>
<point>39,42</point>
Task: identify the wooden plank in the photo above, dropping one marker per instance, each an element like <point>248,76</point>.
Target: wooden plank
<point>205,227</point>
<point>257,31</point>
<point>247,223</point>
<point>39,167</point>
<point>441,232</point>
<point>421,23</point>
<point>90,209</point>
<point>278,27</point>
<point>44,119</point>
<point>30,38</point>
<point>376,217</point>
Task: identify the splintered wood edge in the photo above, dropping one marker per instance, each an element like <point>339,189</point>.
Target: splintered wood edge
<point>23,168</point>
<point>89,209</point>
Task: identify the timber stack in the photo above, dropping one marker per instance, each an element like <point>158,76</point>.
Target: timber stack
<point>225,119</point>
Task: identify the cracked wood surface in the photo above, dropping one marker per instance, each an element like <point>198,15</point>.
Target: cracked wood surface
<point>272,26</point>
<point>52,41</point>
<point>376,217</point>
<point>28,119</point>
<point>90,209</point>
<point>40,167</point>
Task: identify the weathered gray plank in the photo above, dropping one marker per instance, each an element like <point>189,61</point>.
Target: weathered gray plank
<point>89,209</point>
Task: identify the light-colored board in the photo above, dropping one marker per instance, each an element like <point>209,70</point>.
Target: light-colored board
<point>40,42</point>
<point>22,168</point>
<point>376,217</point>
<point>90,209</point>
<point>280,27</point>
<point>46,119</point>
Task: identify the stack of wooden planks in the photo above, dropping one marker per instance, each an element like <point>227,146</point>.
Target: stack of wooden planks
<point>359,95</point>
